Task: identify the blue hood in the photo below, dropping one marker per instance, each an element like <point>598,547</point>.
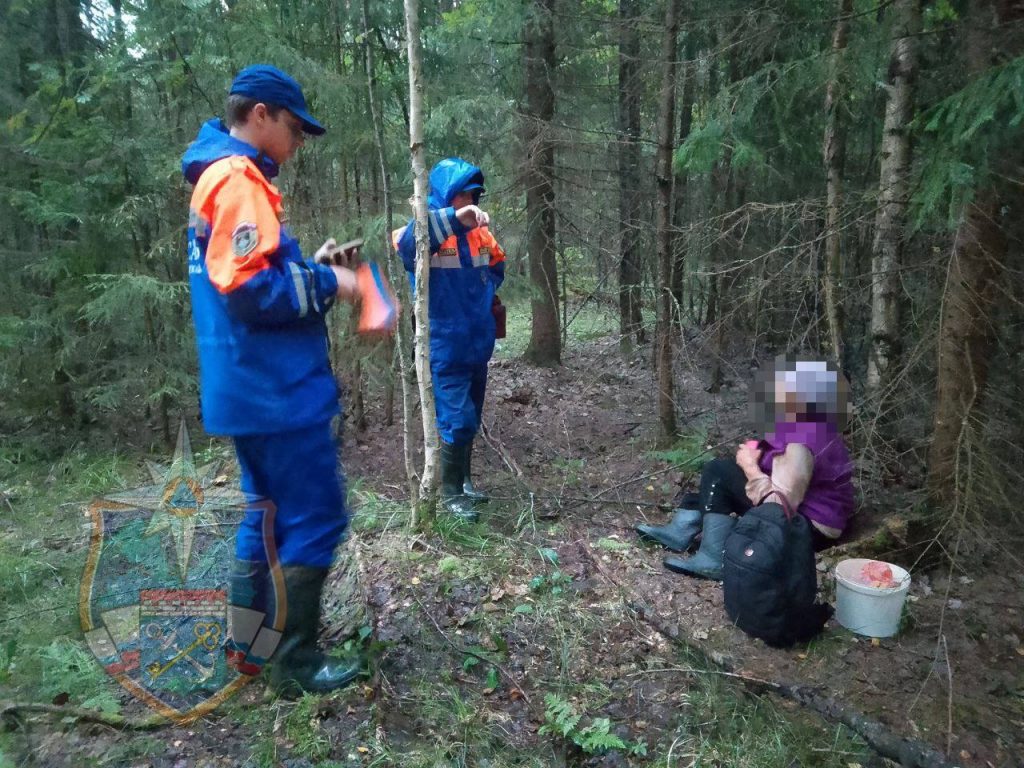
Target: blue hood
<point>215,143</point>
<point>448,178</point>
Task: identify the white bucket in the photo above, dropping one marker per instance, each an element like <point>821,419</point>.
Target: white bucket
<point>867,610</point>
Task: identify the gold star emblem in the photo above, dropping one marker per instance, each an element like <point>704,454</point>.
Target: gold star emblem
<point>183,497</point>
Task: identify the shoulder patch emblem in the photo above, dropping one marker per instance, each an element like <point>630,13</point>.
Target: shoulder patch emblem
<point>244,239</point>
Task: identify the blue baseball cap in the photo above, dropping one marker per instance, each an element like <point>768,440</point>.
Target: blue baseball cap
<point>272,86</point>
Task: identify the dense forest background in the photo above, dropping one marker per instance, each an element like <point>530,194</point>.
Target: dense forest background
<point>685,189</point>
<point>736,179</point>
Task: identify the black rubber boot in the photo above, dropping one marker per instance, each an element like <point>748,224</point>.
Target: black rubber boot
<point>478,497</point>
<point>299,667</point>
<point>453,499</point>
<point>707,562</point>
<point>679,534</point>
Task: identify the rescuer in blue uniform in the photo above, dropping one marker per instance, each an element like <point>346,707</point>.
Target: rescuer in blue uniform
<point>265,379</point>
<point>466,268</point>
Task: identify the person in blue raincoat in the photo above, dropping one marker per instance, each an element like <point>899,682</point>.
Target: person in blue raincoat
<point>467,266</point>
<point>265,379</point>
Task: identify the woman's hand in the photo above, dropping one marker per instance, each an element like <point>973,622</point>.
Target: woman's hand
<point>747,457</point>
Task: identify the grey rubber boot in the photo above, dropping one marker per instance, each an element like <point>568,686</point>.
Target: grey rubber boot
<point>299,666</point>
<point>707,562</point>
<point>453,463</point>
<point>678,535</point>
<point>468,490</point>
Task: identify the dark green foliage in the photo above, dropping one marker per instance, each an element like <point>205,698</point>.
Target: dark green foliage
<point>99,101</point>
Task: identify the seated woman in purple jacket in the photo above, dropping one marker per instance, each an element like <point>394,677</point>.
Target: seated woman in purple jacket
<point>803,448</point>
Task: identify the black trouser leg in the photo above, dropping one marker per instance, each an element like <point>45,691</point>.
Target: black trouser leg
<point>723,488</point>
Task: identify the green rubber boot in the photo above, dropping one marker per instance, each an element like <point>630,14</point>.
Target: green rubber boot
<point>679,534</point>
<point>453,464</point>
<point>708,561</point>
<point>299,666</point>
<point>477,497</point>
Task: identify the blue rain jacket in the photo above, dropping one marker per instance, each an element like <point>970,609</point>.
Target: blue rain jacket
<point>257,305</point>
<point>466,268</point>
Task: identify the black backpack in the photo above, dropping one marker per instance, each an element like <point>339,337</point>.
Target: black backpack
<point>770,580</point>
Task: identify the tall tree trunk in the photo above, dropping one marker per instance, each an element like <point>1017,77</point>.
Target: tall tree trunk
<point>722,277</point>
<point>891,219</point>
<point>665,180</point>
<point>403,330</point>
<point>965,337</point>
<point>834,152</point>
<point>689,75</point>
<point>545,342</point>
<point>966,331</point>
<point>630,297</point>
<point>431,441</point>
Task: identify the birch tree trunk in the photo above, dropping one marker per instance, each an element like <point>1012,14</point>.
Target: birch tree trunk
<point>891,219</point>
<point>545,346</point>
<point>431,445</point>
<point>834,153</point>
<point>665,180</point>
<point>395,273</point>
<point>630,297</point>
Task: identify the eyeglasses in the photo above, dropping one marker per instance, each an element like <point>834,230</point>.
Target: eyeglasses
<point>295,126</point>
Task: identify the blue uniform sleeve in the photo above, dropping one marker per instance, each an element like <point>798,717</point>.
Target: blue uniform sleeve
<point>443,224</point>
<point>497,274</point>
<point>287,291</point>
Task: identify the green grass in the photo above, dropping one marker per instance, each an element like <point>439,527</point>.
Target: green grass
<point>369,511</point>
<point>456,706</point>
<point>41,568</point>
<point>594,321</point>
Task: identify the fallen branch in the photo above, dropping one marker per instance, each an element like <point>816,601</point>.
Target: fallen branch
<point>10,710</point>
<point>910,753</point>
<point>496,445</point>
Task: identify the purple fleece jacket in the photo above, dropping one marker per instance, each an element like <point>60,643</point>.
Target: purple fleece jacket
<point>829,499</point>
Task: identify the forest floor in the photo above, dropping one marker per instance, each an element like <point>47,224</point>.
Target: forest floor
<point>545,633</point>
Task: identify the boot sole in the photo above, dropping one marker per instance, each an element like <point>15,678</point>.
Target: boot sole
<point>673,546</point>
<point>679,568</point>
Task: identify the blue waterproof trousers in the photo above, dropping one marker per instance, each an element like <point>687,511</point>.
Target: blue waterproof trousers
<point>298,477</point>
<point>459,400</point>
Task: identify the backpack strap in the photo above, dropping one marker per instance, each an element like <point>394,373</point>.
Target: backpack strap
<point>783,502</point>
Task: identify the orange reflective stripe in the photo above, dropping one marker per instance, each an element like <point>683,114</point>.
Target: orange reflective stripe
<point>244,212</point>
<point>447,256</point>
<point>484,248</point>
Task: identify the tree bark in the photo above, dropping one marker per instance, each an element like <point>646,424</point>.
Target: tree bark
<point>689,76</point>
<point>394,272</point>
<point>545,346</point>
<point>891,219</point>
<point>966,332</point>
<point>834,153</point>
<point>431,441</point>
<point>630,297</point>
<point>665,181</point>
<point>966,337</point>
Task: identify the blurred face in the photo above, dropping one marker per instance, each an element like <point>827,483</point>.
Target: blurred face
<point>463,199</point>
<point>278,137</point>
